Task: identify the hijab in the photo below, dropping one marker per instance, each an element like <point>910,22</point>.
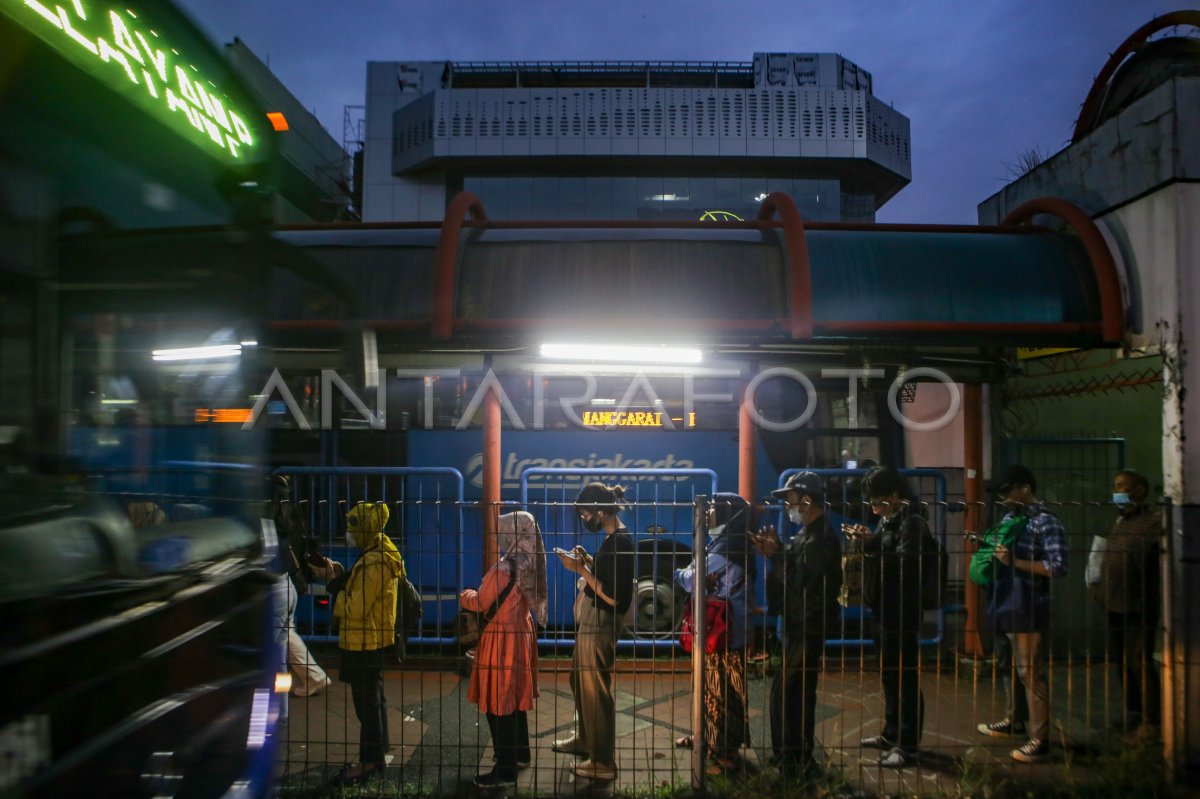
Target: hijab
<point>732,514</point>
<point>517,535</point>
<point>733,542</point>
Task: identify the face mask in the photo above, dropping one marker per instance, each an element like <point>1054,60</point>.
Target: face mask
<point>1121,498</point>
<point>713,532</point>
<point>593,524</point>
<point>795,515</point>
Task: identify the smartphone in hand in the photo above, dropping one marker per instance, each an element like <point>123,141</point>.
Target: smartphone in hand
<point>316,560</point>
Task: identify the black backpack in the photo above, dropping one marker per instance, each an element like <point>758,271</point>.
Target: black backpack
<point>409,607</point>
<point>935,566</point>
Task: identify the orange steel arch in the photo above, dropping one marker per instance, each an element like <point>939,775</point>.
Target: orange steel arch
<point>800,300</point>
<point>1086,122</point>
<point>447,260</point>
<point>1112,316</point>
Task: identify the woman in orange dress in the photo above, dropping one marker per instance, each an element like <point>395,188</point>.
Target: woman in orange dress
<point>504,676</point>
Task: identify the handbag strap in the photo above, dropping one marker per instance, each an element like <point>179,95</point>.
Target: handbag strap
<point>500,599</point>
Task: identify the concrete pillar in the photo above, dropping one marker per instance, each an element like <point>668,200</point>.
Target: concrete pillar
<point>1179,329</point>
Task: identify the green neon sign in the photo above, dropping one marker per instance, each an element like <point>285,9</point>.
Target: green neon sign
<point>126,52</point>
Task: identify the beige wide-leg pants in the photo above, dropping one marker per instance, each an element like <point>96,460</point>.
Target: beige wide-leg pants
<point>592,679</point>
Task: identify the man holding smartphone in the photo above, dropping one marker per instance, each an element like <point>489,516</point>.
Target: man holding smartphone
<point>803,582</point>
<point>892,590</point>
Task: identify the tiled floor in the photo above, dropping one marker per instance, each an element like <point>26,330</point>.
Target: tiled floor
<point>440,741</point>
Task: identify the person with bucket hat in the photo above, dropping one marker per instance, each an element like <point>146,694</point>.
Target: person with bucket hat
<point>803,582</point>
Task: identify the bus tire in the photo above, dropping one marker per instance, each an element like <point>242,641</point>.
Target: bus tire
<point>659,608</point>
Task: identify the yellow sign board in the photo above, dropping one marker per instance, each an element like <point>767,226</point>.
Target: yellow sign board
<point>223,415</point>
<point>631,419</point>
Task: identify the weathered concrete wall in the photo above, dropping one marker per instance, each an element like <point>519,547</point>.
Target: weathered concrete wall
<point>1153,142</point>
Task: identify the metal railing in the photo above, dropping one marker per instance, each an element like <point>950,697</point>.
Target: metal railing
<point>439,740</point>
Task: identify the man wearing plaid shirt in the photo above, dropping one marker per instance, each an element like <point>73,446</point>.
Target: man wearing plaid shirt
<point>1038,555</point>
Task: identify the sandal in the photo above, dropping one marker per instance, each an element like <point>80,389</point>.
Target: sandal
<point>684,742</point>
<point>722,765</point>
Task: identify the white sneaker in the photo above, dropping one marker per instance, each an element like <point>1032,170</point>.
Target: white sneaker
<point>314,688</point>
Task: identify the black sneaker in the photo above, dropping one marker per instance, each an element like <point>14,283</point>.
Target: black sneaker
<point>1002,729</point>
<point>805,770</point>
<point>523,761</point>
<point>494,779</point>
<point>1032,751</point>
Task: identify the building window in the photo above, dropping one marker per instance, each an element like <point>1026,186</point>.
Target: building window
<point>660,198</point>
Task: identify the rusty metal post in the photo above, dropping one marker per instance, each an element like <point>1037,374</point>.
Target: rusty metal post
<point>972,644</point>
<point>491,476</point>
<point>699,617</point>
<point>747,453</point>
<point>1172,665</point>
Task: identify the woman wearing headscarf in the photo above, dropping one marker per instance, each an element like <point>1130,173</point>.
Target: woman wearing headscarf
<point>504,676</point>
<point>365,608</point>
<point>731,569</point>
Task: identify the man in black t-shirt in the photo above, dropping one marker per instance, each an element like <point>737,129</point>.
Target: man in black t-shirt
<point>606,595</point>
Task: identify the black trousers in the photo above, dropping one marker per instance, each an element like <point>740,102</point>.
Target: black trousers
<point>510,740</point>
<point>364,672</point>
<point>1131,646</point>
<point>794,700</point>
<point>903,704</point>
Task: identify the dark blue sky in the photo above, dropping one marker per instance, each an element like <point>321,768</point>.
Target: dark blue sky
<point>981,80</point>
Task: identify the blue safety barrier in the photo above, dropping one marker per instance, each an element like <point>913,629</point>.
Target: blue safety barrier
<point>430,504</point>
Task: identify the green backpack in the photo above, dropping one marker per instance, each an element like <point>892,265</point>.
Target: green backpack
<point>983,563</point>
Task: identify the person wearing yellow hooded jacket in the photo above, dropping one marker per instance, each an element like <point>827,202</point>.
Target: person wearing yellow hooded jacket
<point>365,609</point>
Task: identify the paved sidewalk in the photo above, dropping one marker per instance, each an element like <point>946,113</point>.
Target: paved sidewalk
<point>440,741</point>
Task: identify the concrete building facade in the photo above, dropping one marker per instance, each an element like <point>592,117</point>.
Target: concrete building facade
<point>631,140</point>
<point>311,176</point>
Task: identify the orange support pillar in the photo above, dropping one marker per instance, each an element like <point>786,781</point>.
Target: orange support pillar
<point>972,645</point>
<point>747,452</point>
<point>491,477</point>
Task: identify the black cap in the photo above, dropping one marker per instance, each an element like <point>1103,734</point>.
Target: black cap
<point>1015,474</point>
<point>803,483</point>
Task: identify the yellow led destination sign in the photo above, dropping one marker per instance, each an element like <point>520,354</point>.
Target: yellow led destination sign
<point>128,53</point>
<point>630,419</point>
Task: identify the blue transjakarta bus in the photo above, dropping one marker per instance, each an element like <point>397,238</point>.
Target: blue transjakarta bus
<point>142,642</point>
<point>431,475</point>
<point>363,404</point>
